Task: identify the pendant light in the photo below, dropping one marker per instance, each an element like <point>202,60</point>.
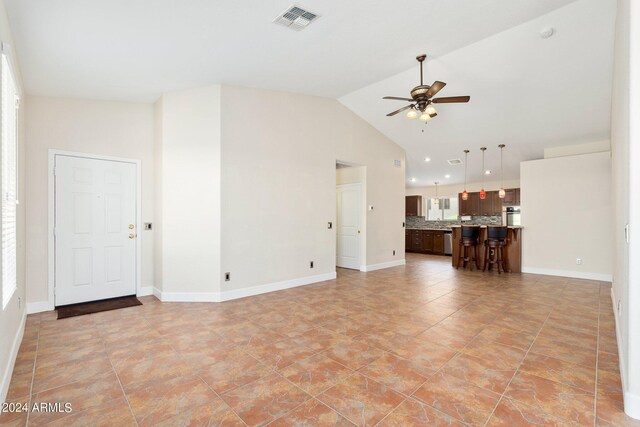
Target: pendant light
<point>501,193</point>
<point>436,201</point>
<point>483,194</point>
<point>465,195</point>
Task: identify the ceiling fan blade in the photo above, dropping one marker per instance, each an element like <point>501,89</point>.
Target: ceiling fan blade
<point>451,99</point>
<point>397,98</point>
<point>435,88</point>
<point>400,110</point>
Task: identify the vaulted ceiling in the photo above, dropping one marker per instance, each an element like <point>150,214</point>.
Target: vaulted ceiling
<point>526,92</point>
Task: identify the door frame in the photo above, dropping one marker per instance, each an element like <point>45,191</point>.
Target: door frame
<point>51,216</point>
<point>362,212</point>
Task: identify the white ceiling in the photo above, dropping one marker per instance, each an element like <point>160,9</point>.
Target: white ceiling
<point>136,50</point>
<point>526,92</point>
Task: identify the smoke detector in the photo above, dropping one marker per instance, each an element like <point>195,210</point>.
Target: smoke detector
<point>296,18</point>
<point>454,162</point>
<point>545,33</point>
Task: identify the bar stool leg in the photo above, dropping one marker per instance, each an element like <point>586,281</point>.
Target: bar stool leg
<point>475,251</point>
<point>486,258</point>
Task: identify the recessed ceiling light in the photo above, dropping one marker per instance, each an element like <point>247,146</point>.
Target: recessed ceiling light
<point>447,176</point>
<point>427,159</point>
<point>413,180</point>
<point>487,172</point>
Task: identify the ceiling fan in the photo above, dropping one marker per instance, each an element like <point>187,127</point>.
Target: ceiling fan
<point>422,99</point>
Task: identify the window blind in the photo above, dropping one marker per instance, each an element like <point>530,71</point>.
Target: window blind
<point>9,199</point>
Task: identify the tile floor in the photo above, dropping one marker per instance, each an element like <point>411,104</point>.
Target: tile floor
<point>422,344</point>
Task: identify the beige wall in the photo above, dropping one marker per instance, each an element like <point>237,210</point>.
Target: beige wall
<point>566,212</point>
<point>278,185</point>
<point>188,151</point>
<point>576,149</point>
<point>12,316</point>
<point>93,127</point>
<point>351,175</point>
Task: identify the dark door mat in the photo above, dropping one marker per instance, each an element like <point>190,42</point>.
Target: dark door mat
<point>97,306</point>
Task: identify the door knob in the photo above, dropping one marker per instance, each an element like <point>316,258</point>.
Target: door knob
<point>131,226</point>
<point>358,231</point>
<point>131,236</point>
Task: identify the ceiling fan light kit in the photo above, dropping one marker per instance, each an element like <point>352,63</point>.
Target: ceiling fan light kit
<point>422,98</point>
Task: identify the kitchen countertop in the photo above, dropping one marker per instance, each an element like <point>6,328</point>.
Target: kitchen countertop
<point>428,228</point>
<point>484,226</point>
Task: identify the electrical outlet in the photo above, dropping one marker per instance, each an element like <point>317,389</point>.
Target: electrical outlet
<point>394,252</point>
<point>227,277</point>
<point>311,264</point>
<point>578,261</point>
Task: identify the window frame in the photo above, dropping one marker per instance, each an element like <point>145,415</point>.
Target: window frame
<point>11,194</point>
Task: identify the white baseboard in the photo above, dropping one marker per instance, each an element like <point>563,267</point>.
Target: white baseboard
<point>145,291</point>
<point>185,296</point>
<point>568,273</point>
<point>277,286</point>
<point>39,307</point>
<point>373,267</point>
<point>15,347</point>
<point>240,293</point>
<point>631,401</point>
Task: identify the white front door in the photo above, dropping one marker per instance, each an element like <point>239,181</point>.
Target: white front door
<point>349,204</point>
<point>95,229</point>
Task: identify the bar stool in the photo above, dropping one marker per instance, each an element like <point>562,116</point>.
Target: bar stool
<point>494,248</point>
<point>468,242</point>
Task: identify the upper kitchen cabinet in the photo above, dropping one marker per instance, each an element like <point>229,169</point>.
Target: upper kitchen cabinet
<point>490,205</point>
<point>413,205</point>
<point>471,206</point>
<point>511,197</point>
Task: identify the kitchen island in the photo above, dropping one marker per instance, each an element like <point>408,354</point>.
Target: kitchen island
<point>513,249</point>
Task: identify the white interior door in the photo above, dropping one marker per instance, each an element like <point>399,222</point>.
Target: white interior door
<point>349,215</point>
<point>95,229</point>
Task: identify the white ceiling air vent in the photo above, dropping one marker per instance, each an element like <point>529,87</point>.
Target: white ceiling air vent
<point>454,162</point>
<point>296,18</point>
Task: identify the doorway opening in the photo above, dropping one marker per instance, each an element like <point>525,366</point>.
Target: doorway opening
<point>350,216</point>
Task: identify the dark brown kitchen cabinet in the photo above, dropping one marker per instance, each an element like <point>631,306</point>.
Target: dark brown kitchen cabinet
<point>491,205</point>
<point>471,206</point>
<point>413,205</point>
<point>427,241</point>
<point>424,241</point>
<point>438,243</point>
<point>511,197</point>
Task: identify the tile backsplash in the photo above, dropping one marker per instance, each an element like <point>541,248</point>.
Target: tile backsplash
<point>420,222</point>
